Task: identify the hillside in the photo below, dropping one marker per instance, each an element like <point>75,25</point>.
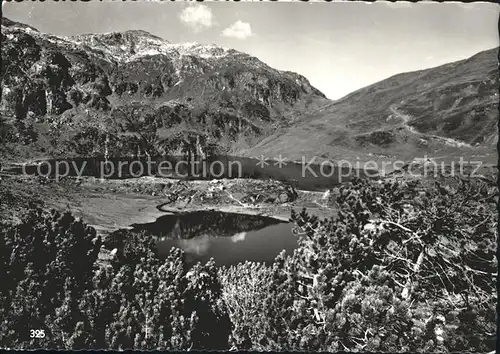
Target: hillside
<point>449,110</point>
<point>140,93</point>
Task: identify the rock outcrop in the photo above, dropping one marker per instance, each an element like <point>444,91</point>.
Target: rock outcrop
<point>142,92</point>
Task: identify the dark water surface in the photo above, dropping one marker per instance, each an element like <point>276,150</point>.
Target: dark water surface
<point>229,238</point>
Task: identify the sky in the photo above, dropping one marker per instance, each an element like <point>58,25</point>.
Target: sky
<point>339,47</point>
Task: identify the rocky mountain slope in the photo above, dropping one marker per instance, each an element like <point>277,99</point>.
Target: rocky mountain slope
<point>134,92</point>
<point>449,110</point>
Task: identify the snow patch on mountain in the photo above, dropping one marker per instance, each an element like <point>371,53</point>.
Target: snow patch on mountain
<point>132,45</point>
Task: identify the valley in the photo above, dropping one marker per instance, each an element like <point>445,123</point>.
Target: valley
<point>184,196</point>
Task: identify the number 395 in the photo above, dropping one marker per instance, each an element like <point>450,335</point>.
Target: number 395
<point>37,333</point>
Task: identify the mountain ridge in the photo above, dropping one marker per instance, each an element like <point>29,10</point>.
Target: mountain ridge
<point>90,87</point>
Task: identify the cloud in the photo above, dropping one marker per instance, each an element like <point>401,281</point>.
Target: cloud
<point>198,17</point>
<point>195,245</point>
<point>467,6</point>
<point>239,30</point>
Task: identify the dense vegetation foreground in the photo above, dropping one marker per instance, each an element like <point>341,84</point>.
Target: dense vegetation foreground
<point>402,267</point>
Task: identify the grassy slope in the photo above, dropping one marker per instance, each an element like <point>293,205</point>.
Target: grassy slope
<point>450,110</point>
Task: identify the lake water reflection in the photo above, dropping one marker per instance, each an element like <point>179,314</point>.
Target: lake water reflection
<point>229,238</point>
